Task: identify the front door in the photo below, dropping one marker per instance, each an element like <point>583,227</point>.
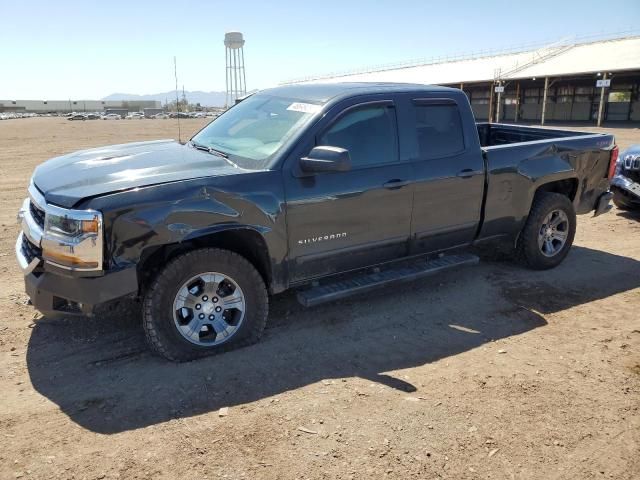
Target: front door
<point>340,221</point>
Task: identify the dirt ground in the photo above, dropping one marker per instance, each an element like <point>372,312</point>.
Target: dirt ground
<point>488,372</point>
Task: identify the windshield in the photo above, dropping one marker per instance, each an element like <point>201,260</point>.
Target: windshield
<point>253,131</point>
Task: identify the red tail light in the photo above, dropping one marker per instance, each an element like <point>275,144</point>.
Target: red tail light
<point>612,162</point>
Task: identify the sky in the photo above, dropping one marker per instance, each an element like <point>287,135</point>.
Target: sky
<point>89,49</point>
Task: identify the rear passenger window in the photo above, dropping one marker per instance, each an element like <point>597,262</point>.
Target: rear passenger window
<point>369,133</point>
<point>439,130</point>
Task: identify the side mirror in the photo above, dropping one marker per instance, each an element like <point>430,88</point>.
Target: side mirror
<point>326,159</point>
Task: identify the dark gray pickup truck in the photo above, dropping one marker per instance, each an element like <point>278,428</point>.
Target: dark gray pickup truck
<point>329,189</point>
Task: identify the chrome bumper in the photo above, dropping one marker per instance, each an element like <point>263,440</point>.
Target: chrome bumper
<point>25,265</point>
<point>626,184</point>
<point>603,205</point>
<point>31,232</point>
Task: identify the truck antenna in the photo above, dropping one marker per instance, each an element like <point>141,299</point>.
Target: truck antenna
<point>175,74</point>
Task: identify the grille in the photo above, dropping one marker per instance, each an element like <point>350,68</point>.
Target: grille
<point>29,250</point>
<point>37,214</point>
<point>632,162</point>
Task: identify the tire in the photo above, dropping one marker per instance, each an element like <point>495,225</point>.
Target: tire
<point>622,204</point>
<point>164,326</point>
<point>528,249</point>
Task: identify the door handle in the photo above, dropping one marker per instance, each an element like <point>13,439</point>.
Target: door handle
<point>467,173</point>
<point>395,184</point>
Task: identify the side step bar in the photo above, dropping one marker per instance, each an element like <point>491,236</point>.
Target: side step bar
<point>368,281</point>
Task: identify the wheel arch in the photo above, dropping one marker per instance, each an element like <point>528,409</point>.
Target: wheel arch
<point>565,186</point>
<point>244,240</point>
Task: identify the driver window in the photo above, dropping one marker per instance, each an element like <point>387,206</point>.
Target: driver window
<point>369,133</point>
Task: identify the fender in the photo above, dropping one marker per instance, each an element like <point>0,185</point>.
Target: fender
<point>550,167</point>
<point>143,220</point>
<point>571,161</point>
<point>511,185</point>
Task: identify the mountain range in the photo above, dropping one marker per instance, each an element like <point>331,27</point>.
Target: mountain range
<point>206,99</point>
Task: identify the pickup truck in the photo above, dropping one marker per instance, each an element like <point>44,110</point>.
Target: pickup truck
<point>327,189</point>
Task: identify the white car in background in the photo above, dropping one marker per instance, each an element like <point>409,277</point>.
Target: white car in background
<point>161,116</point>
<point>135,116</point>
<point>111,116</point>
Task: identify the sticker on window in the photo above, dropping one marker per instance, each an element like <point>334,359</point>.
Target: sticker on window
<point>304,107</point>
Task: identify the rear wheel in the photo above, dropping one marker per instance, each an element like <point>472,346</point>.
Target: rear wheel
<point>204,302</point>
<point>548,233</point>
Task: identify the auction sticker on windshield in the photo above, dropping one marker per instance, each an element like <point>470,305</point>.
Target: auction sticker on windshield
<point>304,107</point>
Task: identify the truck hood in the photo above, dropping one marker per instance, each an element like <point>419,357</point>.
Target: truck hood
<point>66,180</point>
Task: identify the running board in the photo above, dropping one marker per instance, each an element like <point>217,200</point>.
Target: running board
<point>371,280</point>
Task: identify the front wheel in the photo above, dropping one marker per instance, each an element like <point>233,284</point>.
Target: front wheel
<point>548,233</point>
<point>204,302</point>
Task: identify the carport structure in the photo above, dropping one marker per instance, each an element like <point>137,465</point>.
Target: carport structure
<point>589,81</point>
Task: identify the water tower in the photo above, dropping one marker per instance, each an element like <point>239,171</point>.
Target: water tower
<point>235,75</point>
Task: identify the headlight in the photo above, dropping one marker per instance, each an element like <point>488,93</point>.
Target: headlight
<point>73,238</point>
<point>70,227</point>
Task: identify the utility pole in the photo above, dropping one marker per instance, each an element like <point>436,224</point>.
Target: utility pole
<point>517,102</point>
<point>498,106</point>
<point>490,116</point>
<point>544,99</point>
<point>601,106</point>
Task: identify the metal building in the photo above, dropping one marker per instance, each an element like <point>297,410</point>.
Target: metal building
<point>567,81</point>
<point>67,106</point>
<point>236,81</point>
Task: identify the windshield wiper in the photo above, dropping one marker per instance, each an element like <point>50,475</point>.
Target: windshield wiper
<point>198,146</point>
<point>218,152</point>
<point>210,150</point>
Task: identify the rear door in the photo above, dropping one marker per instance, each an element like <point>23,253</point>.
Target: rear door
<point>340,221</point>
<point>448,171</point>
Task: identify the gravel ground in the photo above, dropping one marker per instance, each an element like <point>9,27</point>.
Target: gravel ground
<point>488,372</point>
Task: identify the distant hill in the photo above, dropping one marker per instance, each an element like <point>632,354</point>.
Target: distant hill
<point>206,99</point>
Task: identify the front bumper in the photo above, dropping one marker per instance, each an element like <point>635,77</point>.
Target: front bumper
<point>57,290</point>
<point>56,295</point>
<point>627,185</point>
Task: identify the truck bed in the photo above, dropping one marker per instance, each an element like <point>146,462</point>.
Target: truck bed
<point>519,159</point>
<point>494,134</point>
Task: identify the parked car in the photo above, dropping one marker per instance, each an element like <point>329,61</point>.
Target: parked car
<point>626,180</point>
<point>111,116</point>
<point>135,116</point>
<point>77,116</point>
<point>161,116</point>
<point>300,187</point>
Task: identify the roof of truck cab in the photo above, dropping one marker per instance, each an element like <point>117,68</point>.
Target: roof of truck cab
<point>323,92</point>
